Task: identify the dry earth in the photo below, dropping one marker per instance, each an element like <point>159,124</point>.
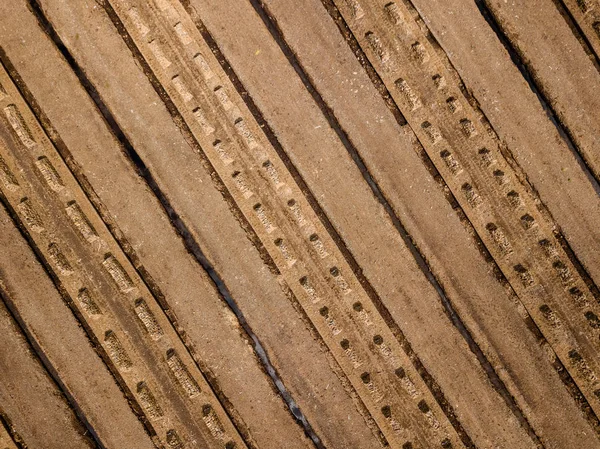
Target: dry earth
<point>271,224</point>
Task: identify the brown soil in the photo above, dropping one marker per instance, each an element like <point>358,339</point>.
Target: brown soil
<point>321,223</point>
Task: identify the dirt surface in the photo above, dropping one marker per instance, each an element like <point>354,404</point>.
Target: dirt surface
<point>321,223</point>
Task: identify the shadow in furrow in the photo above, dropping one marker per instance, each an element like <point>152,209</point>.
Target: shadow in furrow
<point>279,37</point>
<point>578,32</point>
<point>182,229</point>
<point>12,433</point>
<point>93,439</point>
<point>517,60</point>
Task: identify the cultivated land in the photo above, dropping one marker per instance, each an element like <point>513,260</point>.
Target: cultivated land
<point>321,223</point>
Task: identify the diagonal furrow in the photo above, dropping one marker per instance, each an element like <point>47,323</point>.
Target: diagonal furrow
<point>564,71</point>
<point>278,212</point>
<point>34,408</point>
<point>143,349</point>
<point>584,18</point>
<point>299,225</point>
<point>100,164</point>
<point>6,440</point>
<point>467,153</point>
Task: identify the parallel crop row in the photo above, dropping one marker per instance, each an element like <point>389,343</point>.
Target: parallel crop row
<point>142,348</point>
<point>308,259</point>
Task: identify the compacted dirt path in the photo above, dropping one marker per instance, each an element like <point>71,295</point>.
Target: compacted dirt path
<point>311,224</point>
